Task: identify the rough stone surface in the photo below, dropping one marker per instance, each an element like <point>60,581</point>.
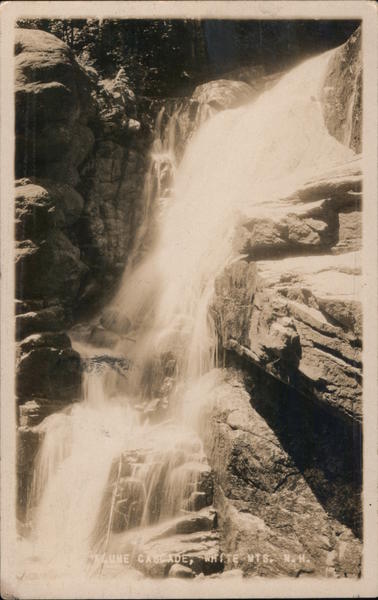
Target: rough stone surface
<point>189,541</point>
<point>44,206</point>
<point>300,320</point>
<point>267,511</point>
<point>342,93</point>
<point>223,93</point>
<point>52,97</point>
<point>49,372</point>
<point>292,304</point>
<point>51,318</point>
<point>52,269</point>
<point>80,162</point>
<point>323,216</point>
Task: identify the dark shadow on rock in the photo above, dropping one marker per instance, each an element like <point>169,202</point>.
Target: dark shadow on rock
<point>326,449</point>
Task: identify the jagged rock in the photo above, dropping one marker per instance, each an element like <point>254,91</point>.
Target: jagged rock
<point>299,319</point>
<point>266,509</point>
<point>349,231</point>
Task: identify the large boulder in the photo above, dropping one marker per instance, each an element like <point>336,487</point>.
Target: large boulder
<point>52,98</point>
<point>51,318</point>
<point>48,368</point>
<point>272,518</point>
<point>43,205</point>
<point>223,93</point>
<point>52,269</point>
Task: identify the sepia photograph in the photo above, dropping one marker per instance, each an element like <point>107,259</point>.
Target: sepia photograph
<point>189,264</point>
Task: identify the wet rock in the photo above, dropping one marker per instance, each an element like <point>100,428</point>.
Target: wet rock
<point>197,501</point>
<point>26,447</point>
<point>181,571</point>
<point>113,180</point>
<point>50,373</point>
<point>100,337</point>
<point>116,322</point>
<point>223,93</point>
<point>45,340</point>
<point>323,216</point>
<point>157,549</point>
<point>33,412</point>
<point>52,318</point>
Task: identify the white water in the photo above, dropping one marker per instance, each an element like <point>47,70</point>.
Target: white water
<point>239,161</point>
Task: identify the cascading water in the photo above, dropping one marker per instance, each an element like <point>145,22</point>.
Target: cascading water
<point>128,456</point>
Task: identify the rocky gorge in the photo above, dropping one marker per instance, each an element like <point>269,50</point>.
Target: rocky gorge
<point>282,428</point>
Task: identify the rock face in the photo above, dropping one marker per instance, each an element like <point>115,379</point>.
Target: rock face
<point>342,93</point>
<point>287,455</point>
<point>80,162</point>
<point>272,517</point>
<point>53,105</point>
<point>303,325</point>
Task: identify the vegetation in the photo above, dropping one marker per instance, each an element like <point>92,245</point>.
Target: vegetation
<point>169,57</point>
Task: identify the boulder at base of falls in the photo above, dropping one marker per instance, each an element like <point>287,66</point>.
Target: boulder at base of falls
<point>181,571</point>
<point>272,518</point>
<point>188,541</point>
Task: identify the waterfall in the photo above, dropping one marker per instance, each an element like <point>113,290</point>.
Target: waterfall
<point>128,456</point>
